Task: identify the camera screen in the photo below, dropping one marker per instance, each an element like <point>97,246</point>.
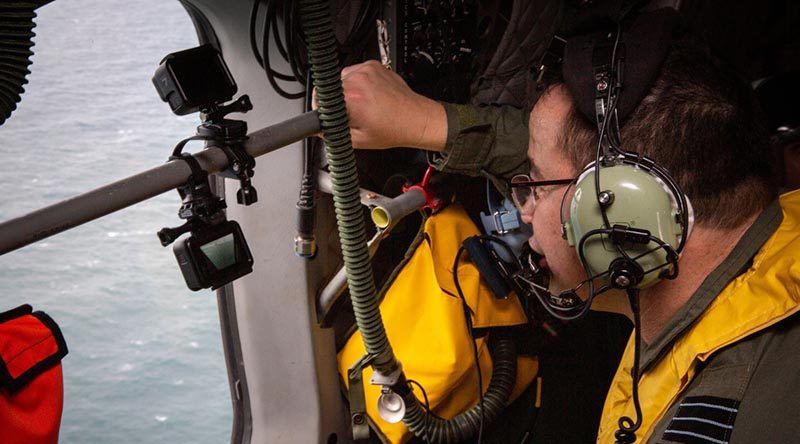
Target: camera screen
<point>221,252</point>
<point>213,256</point>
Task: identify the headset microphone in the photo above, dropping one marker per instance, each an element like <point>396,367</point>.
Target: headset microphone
<point>532,279</point>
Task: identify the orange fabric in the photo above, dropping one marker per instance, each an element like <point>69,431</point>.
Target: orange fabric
<point>32,414</point>
<point>24,342</point>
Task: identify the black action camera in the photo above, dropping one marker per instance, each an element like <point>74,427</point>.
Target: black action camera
<point>213,257</point>
<point>194,79</point>
<point>216,252</point>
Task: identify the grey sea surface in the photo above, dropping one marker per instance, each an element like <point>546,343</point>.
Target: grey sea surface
<point>145,361</point>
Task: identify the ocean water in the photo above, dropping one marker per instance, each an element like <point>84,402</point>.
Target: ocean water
<point>145,362</point>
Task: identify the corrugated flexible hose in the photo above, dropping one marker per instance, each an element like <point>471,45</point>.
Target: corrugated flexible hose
<point>324,60</point>
<point>465,425</point>
<point>16,41</point>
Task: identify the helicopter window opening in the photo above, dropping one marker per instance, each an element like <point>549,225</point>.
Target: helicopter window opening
<point>145,360</point>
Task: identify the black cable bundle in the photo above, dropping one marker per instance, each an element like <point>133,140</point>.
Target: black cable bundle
<point>281,23</point>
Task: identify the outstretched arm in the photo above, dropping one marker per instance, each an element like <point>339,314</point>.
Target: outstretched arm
<point>384,112</point>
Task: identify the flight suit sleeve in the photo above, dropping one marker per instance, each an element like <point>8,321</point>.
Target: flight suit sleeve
<point>489,141</point>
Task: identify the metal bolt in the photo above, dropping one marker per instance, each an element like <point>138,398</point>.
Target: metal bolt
<point>606,198</point>
<point>358,418</point>
<point>602,85</point>
<point>622,281</point>
<point>371,195</point>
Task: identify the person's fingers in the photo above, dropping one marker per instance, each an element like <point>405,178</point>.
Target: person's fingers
<point>314,104</point>
<point>348,70</point>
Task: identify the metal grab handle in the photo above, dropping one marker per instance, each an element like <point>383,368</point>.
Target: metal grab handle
<point>39,224</point>
<point>386,211</point>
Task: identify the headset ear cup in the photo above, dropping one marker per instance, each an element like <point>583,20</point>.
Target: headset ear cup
<point>644,207</point>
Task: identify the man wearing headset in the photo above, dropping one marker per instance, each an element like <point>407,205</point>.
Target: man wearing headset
<point>719,341</point>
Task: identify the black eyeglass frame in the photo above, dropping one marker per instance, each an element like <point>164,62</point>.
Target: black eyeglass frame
<point>537,183</point>
<point>540,183</point>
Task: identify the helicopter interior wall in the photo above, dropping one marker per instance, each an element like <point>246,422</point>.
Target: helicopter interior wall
<point>287,357</point>
<point>289,361</point>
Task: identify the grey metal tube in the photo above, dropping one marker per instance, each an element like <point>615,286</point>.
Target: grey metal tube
<point>389,211</point>
<point>39,224</point>
<point>338,283</point>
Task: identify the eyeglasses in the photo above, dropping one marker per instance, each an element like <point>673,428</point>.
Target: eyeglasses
<point>524,190</point>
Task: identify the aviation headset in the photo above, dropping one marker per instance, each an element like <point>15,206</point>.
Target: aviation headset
<point>628,219</point>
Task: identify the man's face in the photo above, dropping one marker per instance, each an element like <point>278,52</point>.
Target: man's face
<point>548,162</point>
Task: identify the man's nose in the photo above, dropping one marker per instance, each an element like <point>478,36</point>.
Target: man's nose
<point>526,212</point>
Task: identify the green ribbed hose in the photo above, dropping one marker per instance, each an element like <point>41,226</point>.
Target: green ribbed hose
<point>324,59</point>
<point>460,428</point>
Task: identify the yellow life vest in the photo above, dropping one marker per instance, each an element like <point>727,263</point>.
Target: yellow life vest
<point>424,320</point>
<point>762,296</point>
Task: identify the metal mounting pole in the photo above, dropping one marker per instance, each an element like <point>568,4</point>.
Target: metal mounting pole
<point>39,224</point>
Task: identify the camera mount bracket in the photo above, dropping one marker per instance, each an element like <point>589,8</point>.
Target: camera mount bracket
<point>199,206</point>
<point>228,135</point>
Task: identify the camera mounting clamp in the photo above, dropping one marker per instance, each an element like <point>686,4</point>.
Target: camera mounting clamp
<point>199,206</point>
<point>229,135</point>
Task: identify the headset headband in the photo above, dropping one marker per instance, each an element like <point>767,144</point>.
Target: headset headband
<point>643,48</point>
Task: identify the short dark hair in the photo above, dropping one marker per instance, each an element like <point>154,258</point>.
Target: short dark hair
<point>703,124</point>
